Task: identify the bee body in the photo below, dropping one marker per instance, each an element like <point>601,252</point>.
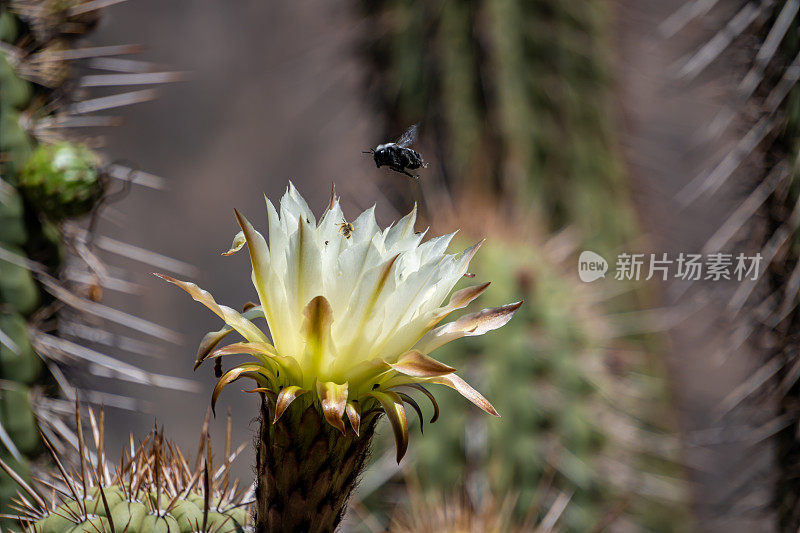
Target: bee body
<point>398,156</point>
<point>346,229</point>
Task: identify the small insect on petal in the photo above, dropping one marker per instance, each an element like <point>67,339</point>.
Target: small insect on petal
<point>419,365</point>
<point>333,398</point>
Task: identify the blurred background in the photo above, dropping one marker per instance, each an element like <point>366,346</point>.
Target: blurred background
<point>647,126</point>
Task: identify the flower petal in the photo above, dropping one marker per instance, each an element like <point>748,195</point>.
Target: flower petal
<point>333,398</point>
<point>414,405</point>
<point>464,297</point>
<point>430,396</point>
<point>365,372</point>
<point>285,397</point>
<point>353,412</point>
<point>318,318</point>
<point>251,370</point>
<point>419,365</point>
<point>468,326</point>
<point>265,353</point>
<point>465,390</point>
<point>244,327</point>
<point>403,229</point>
<point>259,251</point>
<point>393,406</point>
<point>294,205</point>
<point>213,338</point>
<point>238,242</point>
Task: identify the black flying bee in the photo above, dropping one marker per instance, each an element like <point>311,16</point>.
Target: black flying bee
<point>398,156</point>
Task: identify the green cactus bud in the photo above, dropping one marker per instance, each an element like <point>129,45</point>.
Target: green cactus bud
<point>62,180</point>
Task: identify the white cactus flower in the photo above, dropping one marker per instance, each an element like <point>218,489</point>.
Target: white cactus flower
<point>351,312</point>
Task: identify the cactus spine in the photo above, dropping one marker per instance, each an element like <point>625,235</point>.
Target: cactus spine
<point>50,177</point>
<point>155,488</point>
<point>754,142</point>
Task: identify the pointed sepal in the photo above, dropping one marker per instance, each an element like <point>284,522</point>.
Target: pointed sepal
<point>252,370</point>
<point>333,398</point>
<point>465,390</point>
<point>238,243</point>
<point>468,326</point>
<point>246,329</point>
<point>393,407</point>
<point>285,398</point>
<point>416,364</point>
<point>353,411</point>
<point>212,339</point>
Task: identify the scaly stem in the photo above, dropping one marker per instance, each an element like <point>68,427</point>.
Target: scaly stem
<point>306,469</point>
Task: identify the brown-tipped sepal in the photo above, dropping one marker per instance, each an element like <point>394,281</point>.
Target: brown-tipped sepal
<point>333,399</point>
<point>285,397</point>
<point>396,413</point>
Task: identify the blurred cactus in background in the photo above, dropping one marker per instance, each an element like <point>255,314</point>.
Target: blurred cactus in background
<point>426,513</point>
<point>582,402</point>
<point>752,51</point>
<point>514,97</point>
<point>514,100</point>
<point>51,277</point>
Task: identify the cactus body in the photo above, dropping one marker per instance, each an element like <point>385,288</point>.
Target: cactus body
<point>154,490</point>
<point>139,514</point>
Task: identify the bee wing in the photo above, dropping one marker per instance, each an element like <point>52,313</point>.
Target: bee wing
<point>409,137</point>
